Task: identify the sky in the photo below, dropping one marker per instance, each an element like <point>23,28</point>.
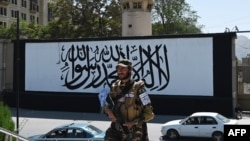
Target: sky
<point>217,15</point>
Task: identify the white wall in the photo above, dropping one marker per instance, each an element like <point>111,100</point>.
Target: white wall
<point>173,66</point>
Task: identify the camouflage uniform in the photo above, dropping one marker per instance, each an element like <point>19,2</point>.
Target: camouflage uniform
<point>135,106</point>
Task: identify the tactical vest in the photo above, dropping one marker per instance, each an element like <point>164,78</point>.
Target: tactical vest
<point>129,104</point>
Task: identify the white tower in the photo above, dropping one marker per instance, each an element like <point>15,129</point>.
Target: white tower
<point>136,17</point>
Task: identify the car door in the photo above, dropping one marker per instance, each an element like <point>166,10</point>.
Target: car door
<point>207,126</point>
<point>190,128</point>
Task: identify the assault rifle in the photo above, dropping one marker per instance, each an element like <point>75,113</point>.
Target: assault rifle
<point>117,112</point>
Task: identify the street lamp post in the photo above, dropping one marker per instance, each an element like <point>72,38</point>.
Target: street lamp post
<point>17,73</point>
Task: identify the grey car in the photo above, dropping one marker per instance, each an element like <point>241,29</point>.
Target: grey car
<point>71,132</point>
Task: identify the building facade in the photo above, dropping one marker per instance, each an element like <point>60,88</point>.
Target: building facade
<point>36,11</point>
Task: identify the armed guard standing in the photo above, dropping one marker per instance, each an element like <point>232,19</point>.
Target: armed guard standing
<point>128,106</point>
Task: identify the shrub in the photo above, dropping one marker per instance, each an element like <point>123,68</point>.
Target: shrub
<point>6,121</point>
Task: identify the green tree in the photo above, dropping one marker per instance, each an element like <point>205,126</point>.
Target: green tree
<point>62,26</point>
<point>174,17</point>
<point>85,18</point>
<point>26,30</point>
<point>102,18</point>
<point>6,121</point>
<point>3,32</point>
<point>73,19</point>
<point>112,20</point>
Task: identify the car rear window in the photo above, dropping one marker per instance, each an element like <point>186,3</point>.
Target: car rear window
<point>92,129</point>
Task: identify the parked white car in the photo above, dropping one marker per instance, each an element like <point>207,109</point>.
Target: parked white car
<point>199,124</point>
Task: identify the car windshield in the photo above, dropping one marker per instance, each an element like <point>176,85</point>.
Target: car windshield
<point>93,130</point>
<point>183,120</point>
<point>222,118</point>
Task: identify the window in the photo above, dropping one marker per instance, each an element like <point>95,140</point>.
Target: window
<point>3,24</point>
<point>75,133</point>
<point>24,3</point>
<point>50,12</point>
<point>126,6</point>
<point>192,120</point>
<point>14,2</point>
<point>23,15</point>
<point>58,133</point>
<point>34,6</point>
<point>149,7</point>
<point>14,13</point>
<point>208,120</point>
<point>137,5</point>
<point>3,11</point>
<point>32,18</point>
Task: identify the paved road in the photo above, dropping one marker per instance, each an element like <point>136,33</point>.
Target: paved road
<point>32,122</point>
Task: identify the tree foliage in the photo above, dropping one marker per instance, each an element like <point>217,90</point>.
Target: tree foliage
<point>26,30</point>
<point>73,19</point>
<point>6,121</point>
<point>174,17</point>
<point>102,18</point>
<point>3,34</point>
<point>85,18</point>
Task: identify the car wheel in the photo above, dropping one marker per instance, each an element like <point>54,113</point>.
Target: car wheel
<point>217,136</point>
<point>172,134</point>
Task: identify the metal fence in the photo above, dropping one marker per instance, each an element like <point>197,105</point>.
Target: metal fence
<point>11,136</point>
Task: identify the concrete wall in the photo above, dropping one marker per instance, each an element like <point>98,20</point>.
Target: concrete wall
<point>227,90</point>
<point>6,67</point>
<point>244,101</point>
<point>243,97</point>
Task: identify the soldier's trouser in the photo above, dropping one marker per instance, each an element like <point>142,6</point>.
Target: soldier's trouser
<point>138,133</point>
